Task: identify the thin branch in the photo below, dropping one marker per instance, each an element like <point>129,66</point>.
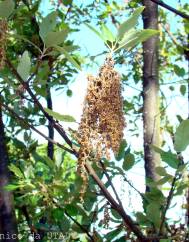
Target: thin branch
<point>169,198</point>
<point>56,124</point>
<point>10,110</point>
<point>127,219</point>
<point>74,220</point>
<point>111,184</point>
<point>114,21</point>
<point>80,226</point>
<point>166,6</point>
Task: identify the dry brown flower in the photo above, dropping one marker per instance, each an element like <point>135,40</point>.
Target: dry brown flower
<point>102,122</point>
<point>3,37</point>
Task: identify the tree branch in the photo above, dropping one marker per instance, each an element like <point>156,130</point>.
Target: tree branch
<point>80,226</point>
<point>127,219</point>
<point>56,124</point>
<point>166,6</point>
<point>6,107</point>
<point>111,184</point>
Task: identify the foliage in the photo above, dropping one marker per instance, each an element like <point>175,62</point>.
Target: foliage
<point>41,55</point>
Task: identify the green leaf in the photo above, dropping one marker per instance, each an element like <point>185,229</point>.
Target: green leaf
<point>153,213</point>
<point>141,218</point>
<point>179,71</point>
<point>16,171</point>
<point>134,37</point>
<point>68,56</point>
<point>24,66</point>
<point>60,117</point>
<point>164,180</point>
<point>107,34</point>
<point>111,235</point>
<point>161,171</point>
<point>71,210</point>
<point>6,8</point>
<point>96,32</point>
<point>115,214</point>
<point>47,24</point>
<point>67,2</point>
<point>69,93</point>
<point>11,187</point>
<point>155,195</point>
<point>129,161</point>
<point>181,189</point>
<point>130,23</point>
<point>49,162</point>
<point>183,89</point>
<point>182,136</point>
<point>121,239</point>
<point>121,151</point>
<point>55,38</point>
<point>168,157</point>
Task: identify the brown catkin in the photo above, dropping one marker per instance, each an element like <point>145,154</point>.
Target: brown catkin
<point>3,38</point>
<point>102,122</point>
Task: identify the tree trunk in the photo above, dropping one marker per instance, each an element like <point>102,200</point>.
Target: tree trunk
<point>151,115</point>
<point>8,227</point>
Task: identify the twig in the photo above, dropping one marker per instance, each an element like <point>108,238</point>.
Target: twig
<point>164,5</point>
<point>56,124</point>
<point>114,21</point>
<point>166,28</point>
<point>169,198</point>
<point>111,184</point>
<point>127,219</point>
<point>74,220</point>
<point>6,107</point>
<point>80,226</point>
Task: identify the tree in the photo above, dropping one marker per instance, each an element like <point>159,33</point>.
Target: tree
<point>53,191</point>
<point>151,112</point>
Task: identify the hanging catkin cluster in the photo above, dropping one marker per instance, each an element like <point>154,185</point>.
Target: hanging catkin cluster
<point>3,37</point>
<point>102,122</point>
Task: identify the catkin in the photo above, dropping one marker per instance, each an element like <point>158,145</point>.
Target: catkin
<point>102,122</point>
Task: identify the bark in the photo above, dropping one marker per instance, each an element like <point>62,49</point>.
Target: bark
<point>151,115</point>
<point>50,147</point>
<point>8,226</point>
<point>187,192</point>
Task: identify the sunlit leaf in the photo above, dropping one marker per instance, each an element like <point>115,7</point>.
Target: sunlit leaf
<point>135,37</point>
<point>16,170</point>
<point>161,171</point>
<point>68,56</point>
<point>55,38</point>
<point>47,25</point>
<point>129,23</point>
<point>60,117</point>
<point>153,213</point>
<point>24,66</point>
<point>182,136</point>
<point>11,187</point>
<point>107,34</point>
<point>168,157</point>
